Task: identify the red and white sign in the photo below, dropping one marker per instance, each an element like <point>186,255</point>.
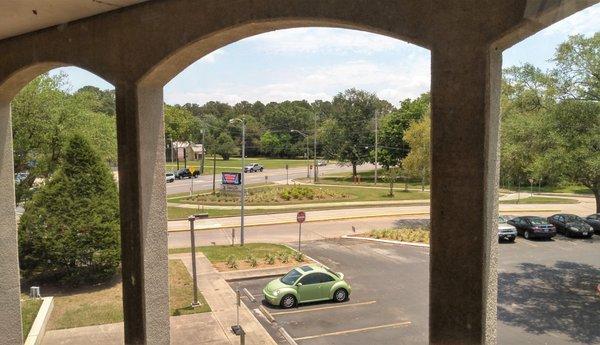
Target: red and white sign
<point>301,217</point>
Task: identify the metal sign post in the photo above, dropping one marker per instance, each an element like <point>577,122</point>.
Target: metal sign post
<point>195,302</point>
<point>300,218</point>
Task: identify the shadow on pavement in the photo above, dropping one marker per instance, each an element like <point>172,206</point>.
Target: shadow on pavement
<point>541,299</point>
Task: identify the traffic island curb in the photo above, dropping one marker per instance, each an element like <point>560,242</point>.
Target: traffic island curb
<point>414,244</point>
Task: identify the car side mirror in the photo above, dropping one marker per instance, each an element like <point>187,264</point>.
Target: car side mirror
<point>299,284</point>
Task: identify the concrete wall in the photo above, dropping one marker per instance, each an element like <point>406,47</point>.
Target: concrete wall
<point>140,48</point>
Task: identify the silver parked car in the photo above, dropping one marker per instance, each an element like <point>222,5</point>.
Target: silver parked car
<point>506,231</point>
<point>170,177</point>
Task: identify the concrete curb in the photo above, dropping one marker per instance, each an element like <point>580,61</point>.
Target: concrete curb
<point>387,241</point>
<point>287,336</point>
<point>266,313</point>
<point>232,276</point>
<point>38,329</point>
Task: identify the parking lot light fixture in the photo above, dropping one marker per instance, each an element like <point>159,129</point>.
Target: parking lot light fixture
<point>242,120</point>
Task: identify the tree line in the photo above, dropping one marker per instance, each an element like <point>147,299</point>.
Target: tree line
<point>549,130</point>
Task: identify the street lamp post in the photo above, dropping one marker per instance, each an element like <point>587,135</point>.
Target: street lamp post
<point>316,167</point>
<point>305,136</point>
<point>376,143</point>
<point>242,120</point>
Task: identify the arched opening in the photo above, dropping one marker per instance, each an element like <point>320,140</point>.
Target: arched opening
<point>300,80</point>
<point>549,123</point>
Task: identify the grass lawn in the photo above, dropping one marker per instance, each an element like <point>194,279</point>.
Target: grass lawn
<point>223,257</point>
<point>302,194</point>
<point>236,163</point>
<point>367,178</point>
<point>102,304</point>
<point>29,310</point>
<point>541,200</point>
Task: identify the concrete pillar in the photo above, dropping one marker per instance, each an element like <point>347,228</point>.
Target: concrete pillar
<point>10,305</point>
<point>142,194</point>
<point>464,151</point>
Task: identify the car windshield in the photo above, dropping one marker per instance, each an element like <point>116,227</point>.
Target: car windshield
<point>537,220</point>
<point>291,277</point>
<point>502,219</point>
<point>571,218</point>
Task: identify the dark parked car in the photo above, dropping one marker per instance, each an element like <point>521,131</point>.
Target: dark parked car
<point>571,225</point>
<point>186,173</point>
<point>594,221</point>
<point>533,227</point>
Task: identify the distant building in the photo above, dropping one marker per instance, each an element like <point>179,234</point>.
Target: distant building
<point>184,150</point>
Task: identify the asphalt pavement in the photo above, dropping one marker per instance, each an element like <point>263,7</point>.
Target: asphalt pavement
<point>546,294</point>
<point>268,175</point>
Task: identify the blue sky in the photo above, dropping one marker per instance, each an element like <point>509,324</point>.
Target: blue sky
<point>317,63</point>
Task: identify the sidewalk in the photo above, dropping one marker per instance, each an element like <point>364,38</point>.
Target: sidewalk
<point>185,330</point>
<point>221,299</point>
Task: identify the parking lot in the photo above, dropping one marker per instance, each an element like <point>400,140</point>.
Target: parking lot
<point>546,294</point>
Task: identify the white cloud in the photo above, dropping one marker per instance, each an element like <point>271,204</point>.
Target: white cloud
<point>391,81</point>
<point>313,40</point>
<point>586,22</point>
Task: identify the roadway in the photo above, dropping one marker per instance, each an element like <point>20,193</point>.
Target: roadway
<point>268,175</point>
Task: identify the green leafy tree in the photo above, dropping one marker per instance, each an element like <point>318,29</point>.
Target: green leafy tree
<point>348,135</point>
<point>416,163</point>
<point>44,116</point>
<point>225,146</point>
<point>70,229</point>
<point>393,125</point>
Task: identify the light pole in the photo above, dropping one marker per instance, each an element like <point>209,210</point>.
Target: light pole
<point>195,302</point>
<point>316,167</point>
<point>305,136</point>
<point>376,143</point>
<point>242,120</point>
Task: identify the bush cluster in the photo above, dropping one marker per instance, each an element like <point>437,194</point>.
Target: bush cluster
<point>420,235</point>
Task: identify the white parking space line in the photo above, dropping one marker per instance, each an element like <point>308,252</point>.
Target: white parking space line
<point>323,308</point>
<point>354,330</point>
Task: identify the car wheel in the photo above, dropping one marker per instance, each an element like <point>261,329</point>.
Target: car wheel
<point>340,295</point>
<point>287,301</point>
<point>527,235</point>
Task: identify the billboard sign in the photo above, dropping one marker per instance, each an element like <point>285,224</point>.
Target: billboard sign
<point>231,178</point>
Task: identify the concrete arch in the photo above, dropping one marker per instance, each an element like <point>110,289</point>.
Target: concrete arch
<point>11,86</point>
<point>184,56</point>
<point>538,15</point>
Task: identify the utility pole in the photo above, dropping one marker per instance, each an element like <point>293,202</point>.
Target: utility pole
<point>203,154</point>
<point>214,172</point>
<point>242,197</point>
<point>316,167</point>
<point>376,143</point>
<point>305,136</point>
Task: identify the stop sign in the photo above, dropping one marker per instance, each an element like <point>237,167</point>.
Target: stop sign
<point>301,217</point>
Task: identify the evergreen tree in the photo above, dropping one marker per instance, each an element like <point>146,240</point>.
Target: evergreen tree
<point>70,228</point>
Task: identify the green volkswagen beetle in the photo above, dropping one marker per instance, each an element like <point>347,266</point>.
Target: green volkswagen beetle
<point>309,283</point>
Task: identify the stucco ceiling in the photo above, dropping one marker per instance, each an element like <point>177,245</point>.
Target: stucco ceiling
<point>22,16</point>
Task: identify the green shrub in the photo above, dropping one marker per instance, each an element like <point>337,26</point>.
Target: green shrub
<point>420,235</point>
<point>270,259</point>
<point>70,228</point>
<point>232,262</point>
<point>299,257</point>
<point>252,261</point>
<point>284,257</point>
